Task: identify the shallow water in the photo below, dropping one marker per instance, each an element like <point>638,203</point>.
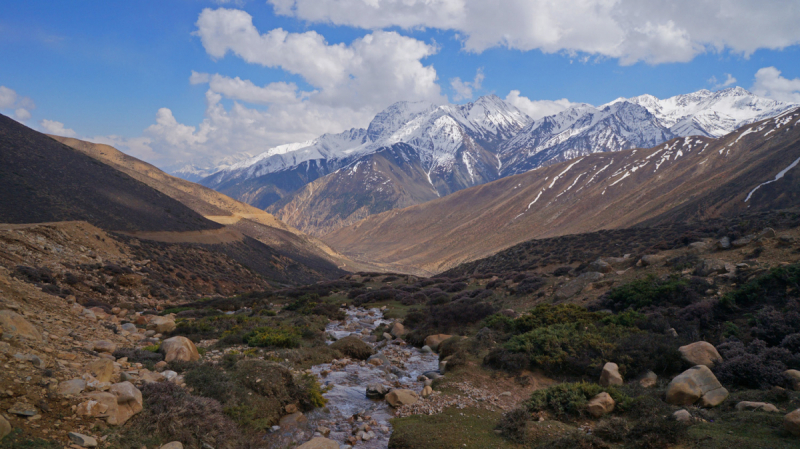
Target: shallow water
<point>348,407</point>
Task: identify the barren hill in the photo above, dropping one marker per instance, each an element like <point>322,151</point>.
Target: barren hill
<point>686,178</point>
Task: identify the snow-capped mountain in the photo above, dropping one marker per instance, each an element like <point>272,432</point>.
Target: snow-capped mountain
<point>202,168</point>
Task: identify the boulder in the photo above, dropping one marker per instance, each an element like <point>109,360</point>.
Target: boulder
<point>794,378</point>
<point>82,440</point>
<point>353,347</point>
<point>129,327</point>
<point>710,267</point>
<point>791,422</point>
<point>129,402</point>
<point>744,241</point>
<point>101,369</point>
<point>172,445</point>
<point>724,243</point>
<point>600,266</point>
<point>104,346</point>
<point>387,336</point>
<point>5,427</point>
<point>292,420</point>
<point>400,397</point>
<point>179,348</point>
<point>319,443</point>
<point>600,405</point>
<point>16,325</point>
<point>698,247</point>
<point>377,391</point>
<point>652,259</point>
<point>379,359</point>
<point>426,349</point>
<point>433,341</point>
<point>649,380</point>
<point>753,406</point>
<point>697,384</point>
<point>397,330</point>
<point>427,391</point>
<point>767,233</point>
<point>610,375</point>
<point>700,353</point>
<point>21,408</point>
<point>72,387</point>
<point>161,324</point>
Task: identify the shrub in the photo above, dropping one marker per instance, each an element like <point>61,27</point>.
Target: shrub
<point>752,366</point>
<point>353,347</point>
<point>644,351</point>
<point>652,291</point>
<point>547,315</point>
<point>774,287</point>
<point>570,399</point>
<point>277,337</point>
<point>139,355</point>
<point>500,358</point>
<point>773,325</point>
<point>458,313</point>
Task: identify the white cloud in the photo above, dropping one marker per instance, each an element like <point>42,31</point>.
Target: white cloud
<point>57,128</point>
<point>729,80</point>
<point>463,89</point>
<point>652,31</point>
<point>537,109</point>
<point>245,90</point>
<point>769,83</point>
<point>21,106</point>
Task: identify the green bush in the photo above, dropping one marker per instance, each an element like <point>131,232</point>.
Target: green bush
<point>570,399</point>
<point>285,337</point>
<point>774,287</point>
<point>652,291</point>
<point>547,315</point>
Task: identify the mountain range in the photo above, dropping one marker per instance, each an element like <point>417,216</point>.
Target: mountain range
<point>416,152</point>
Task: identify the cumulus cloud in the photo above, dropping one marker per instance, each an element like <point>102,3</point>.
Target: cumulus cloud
<point>57,128</point>
<point>729,80</point>
<point>652,31</point>
<point>21,106</point>
<point>245,90</point>
<point>769,83</point>
<point>540,108</point>
<point>463,89</point>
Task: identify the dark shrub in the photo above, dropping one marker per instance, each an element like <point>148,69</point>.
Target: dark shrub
<point>546,315</point>
<point>751,366</point>
<point>458,313</point>
<point>500,358</point>
<point>570,399</point>
<point>773,325</point>
<point>512,424</point>
<point>139,356</point>
<point>652,291</point>
<point>640,352</point>
<point>353,347</point>
<point>561,271</point>
<point>773,288</point>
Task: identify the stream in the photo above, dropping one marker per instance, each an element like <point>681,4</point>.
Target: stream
<point>349,413</point>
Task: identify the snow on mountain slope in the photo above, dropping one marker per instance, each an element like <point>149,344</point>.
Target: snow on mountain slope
<point>202,168</point>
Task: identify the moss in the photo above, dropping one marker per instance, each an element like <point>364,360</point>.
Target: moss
<point>467,428</point>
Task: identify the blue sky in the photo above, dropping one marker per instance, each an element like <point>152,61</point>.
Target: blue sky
<point>119,72</point>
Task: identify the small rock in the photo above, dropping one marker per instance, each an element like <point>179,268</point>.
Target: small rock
<point>5,427</point>
<point>427,391</point>
<point>387,336</point>
<point>397,330</point>
<point>682,416</point>
<point>292,420</point>
<point>610,375</point>
<point>600,266</point>
<point>744,241</point>
<point>161,324</point>
<point>129,327</point>
<point>104,346</point>
<point>600,405</point>
<point>651,260</point>
<point>82,440</point>
<point>791,422</point>
<point>377,391</point>
<point>319,443</point>
<point>23,409</point>
<point>672,332</point>
<point>426,349</point>
<point>767,233</point>
<point>399,397</point>
<point>763,406</point>
<point>324,431</point>
<point>433,341</point>
<point>724,243</point>
<point>71,387</point>
<point>649,380</point>
<point>794,378</point>
<point>102,369</point>
<point>172,445</point>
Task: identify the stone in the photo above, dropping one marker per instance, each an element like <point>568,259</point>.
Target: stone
<point>600,405</point>
<point>319,443</point>
<point>744,241</point>
<point>16,325</point>
<point>180,349</point>
<point>102,369</point>
<point>172,445</point>
<point>508,313</point>
<point>610,375</point>
<point>682,416</point>
<point>104,346</point>
<point>72,387</point>
<point>791,422</point>
<point>433,341</point>
<point>353,347</point>
<point>161,324</point>
<point>794,378</point>
<point>161,366</point>
<point>600,266</point>
<point>35,360</point>
<point>151,377</point>
<point>652,260</point>
<point>387,336</point>
<point>577,285</point>
<point>397,330</point>
<point>292,420</point>
<point>426,349</point>
<point>724,243</point>
<point>82,440</point>
<point>324,431</point>
<point>23,409</point>
<point>379,359</point>
<point>753,406</point>
<point>427,391</point>
<point>5,427</point>
<point>700,353</point>
<point>709,267</point>
<point>697,383</point>
<point>129,402</point>
<point>672,332</point>
<point>129,327</point>
<point>767,233</point>
<point>649,380</point>
<point>377,391</point>
<point>698,247</point>
<point>400,397</point>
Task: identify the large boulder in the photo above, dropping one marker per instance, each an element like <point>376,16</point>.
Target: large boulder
<point>319,443</point>
<point>433,341</point>
<point>600,266</point>
<point>101,369</point>
<point>353,347</point>
<point>714,266</point>
<point>179,348</point>
<point>400,397</point>
<point>791,422</point>
<point>600,405</point>
<point>161,324</point>
<point>610,375</point>
<point>16,325</point>
<point>129,402</point>
<point>700,353</point>
<point>72,387</point>
<point>651,259</point>
<point>697,384</point>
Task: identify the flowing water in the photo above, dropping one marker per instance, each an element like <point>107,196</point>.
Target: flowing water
<point>348,408</point>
